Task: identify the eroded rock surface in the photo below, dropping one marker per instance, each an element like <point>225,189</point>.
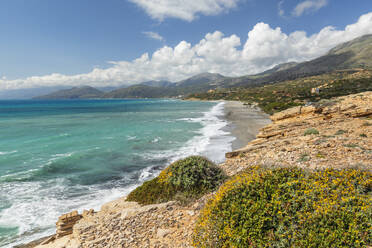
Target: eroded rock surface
<point>127,224</point>
<point>333,133</point>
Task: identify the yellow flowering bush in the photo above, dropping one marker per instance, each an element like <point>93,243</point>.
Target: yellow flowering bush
<point>184,179</point>
<point>289,207</point>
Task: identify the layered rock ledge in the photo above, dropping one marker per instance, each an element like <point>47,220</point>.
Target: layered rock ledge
<point>333,133</point>
<point>127,224</point>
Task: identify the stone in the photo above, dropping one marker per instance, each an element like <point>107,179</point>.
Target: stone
<point>161,233</point>
<point>48,240</point>
<point>190,212</point>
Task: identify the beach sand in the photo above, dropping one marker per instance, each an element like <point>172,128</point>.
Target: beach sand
<point>244,122</point>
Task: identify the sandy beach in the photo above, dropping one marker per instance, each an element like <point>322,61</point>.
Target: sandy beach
<point>245,122</point>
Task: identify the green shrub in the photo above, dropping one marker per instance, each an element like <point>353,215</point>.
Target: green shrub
<point>339,132</point>
<point>304,158</point>
<point>288,207</point>
<point>363,135</point>
<point>351,145</point>
<point>311,131</point>
<point>152,192</point>
<point>187,178</point>
<point>195,173</point>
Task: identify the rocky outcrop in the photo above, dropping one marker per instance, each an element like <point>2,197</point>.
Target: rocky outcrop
<point>127,224</point>
<point>66,222</point>
<point>331,133</point>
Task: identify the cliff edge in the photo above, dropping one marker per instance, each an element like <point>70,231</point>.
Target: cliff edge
<point>334,133</point>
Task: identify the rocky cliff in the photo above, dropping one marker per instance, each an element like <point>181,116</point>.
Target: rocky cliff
<point>331,133</point>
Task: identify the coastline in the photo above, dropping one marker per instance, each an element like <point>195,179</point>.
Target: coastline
<point>244,122</point>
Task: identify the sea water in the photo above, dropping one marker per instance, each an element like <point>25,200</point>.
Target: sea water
<point>59,156</point>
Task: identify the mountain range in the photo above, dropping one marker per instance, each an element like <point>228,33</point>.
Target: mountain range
<point>74,93</point>
<point>350,55</point>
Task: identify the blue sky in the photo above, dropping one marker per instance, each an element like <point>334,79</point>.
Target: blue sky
<point>62,41</point>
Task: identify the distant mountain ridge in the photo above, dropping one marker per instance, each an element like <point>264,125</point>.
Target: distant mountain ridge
<point>157,83</point>
<point>350,55</point>
<point>159,89</point>
<point>356,53</point>
<point>137,91</point>
<point>84,92</point>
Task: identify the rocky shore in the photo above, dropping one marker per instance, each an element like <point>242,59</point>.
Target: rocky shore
<point>127,224</point>
<point>334,133</point>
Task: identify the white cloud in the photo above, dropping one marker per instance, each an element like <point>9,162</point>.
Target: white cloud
<point>184,9</point>
<point>309,5</point>
<point>265,47</point>
<point>153,35</point>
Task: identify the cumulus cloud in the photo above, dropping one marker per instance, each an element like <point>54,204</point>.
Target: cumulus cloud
<point>153,35</point>
<point>308,5</point>
<point>185,10</point>
<point>264,47</point>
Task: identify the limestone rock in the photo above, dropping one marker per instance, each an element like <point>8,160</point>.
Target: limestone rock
<point>162,233</point>
<point>345,137</point>
<point>66,222</point>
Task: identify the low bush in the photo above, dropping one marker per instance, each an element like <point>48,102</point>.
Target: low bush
<point>339,132</point>
<point>304,158</point>
<point>152,192</point>
<point>187,178</point>
<point>288,207</point>
<point>311,131</point>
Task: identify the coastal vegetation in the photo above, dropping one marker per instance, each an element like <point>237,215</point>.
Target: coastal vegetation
<point>311,131</point>
<point>289,207</point>
<point>183,180</point>
<point>277,97</point>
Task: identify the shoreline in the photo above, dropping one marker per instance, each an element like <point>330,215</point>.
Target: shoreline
<point>244,122</point>
<point>160,225</point>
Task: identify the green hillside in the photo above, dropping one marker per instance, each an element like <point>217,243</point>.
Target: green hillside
<point>84,92</point>
<point>199,83</point>
<point>136,91</point>
<point>279,96</point>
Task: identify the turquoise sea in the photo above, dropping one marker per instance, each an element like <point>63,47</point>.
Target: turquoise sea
<point>58,156</point>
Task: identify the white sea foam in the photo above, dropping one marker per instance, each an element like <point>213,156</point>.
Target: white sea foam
<point>146,173</point>
<point>58,156</point>
<point>63,155</point>
<point>155,140</point>
<point>36,205</point>
<point>211,140</point>
<point>131,137</point>
<point>6,153</point>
